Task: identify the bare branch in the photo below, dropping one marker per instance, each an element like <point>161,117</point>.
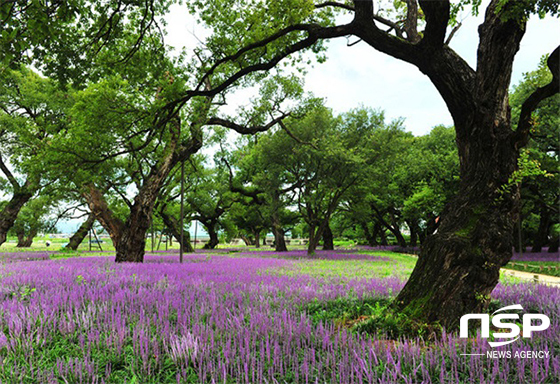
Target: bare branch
<point>452,33</point>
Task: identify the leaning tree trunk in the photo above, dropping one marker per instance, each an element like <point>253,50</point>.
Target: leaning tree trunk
<point>328,240</point>
<point>79,236</point>
<point>10,212</point>
<point>393,227</point>
<point>175,227</point>
<point>246,240</point>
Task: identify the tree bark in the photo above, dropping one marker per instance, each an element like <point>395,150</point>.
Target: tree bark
<point>414,231</point>
<point>313,240</point>
<point>23,240</point>
<point>211,228</point>
<point>20,234</point>
<point>10,212</point>
<point>328,240</point>
<point>315,235</point>
<point>459,265</point>
<point>370,236</point>
<point>541,237</point>
<point>81,233</point>
<point>257,239</point>
<point>174,226</point>
<point>279,240</point>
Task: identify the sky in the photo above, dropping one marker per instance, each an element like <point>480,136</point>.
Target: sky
<point>360,76</point>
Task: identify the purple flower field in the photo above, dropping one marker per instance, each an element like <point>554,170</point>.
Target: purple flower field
<point>231,319</point>
<point>544,255</point>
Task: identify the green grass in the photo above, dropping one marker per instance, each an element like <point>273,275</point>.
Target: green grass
<point>398,265</point>
<point>551,268</point>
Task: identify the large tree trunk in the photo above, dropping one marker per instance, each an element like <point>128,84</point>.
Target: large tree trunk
<point>314,238</point>
<point>81,233</point>
<point>175,227</point>
<point>459,266</point>
<point>279,240</point>
<point>132,243</point>
<point>10,212</point>
<point>315,235</point>
<point>328,239</point>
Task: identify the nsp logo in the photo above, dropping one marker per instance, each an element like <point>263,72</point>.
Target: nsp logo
<point>528,326</point>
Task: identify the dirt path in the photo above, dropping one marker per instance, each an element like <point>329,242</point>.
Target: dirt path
<point>536,277</point>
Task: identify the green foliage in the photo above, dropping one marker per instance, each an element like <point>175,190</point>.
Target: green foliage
<point>526,168</point>
<point>343,309</point>
<point>369,315</point>
<point>64,39</point>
